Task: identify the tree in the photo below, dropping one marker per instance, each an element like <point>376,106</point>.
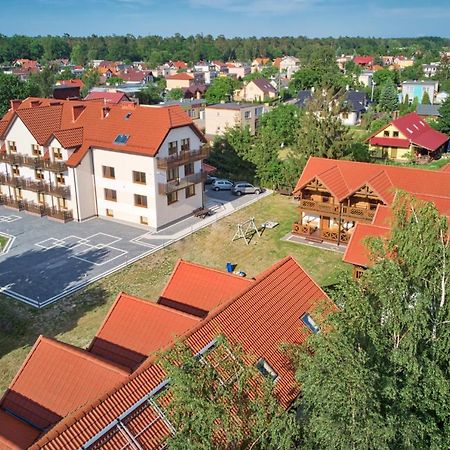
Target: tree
<point>42,82</point>
<point>388,97</point>
<point>66,74</point>
<point>443,122</point>
<point>381,77</point>
<point>282,123</point>
<point>426,99</point>
<point>222,402</point>
<point>321,132</point>
<point>221,89</point>
<point>150,95</point>
<point>90,79</point>
<point>114,80</point>
<point>175,94</point>
<point>11,88</point>
<point>378,377</point>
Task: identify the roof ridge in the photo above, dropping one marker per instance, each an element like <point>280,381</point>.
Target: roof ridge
<point>211,269</point>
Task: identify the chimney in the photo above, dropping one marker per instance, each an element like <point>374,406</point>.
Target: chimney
<point>15,104</point>
<point>76,111</point>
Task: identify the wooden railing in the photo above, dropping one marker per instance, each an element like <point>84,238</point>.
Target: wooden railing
<point>11,158</point>
<point>35,185</point>
<point>181,183</point>
<point>11,202</point>
<point>312,205</point>
<point>354,212</point>
<point>36,162</point>
<point>34,208</point>
<point>335,236</point>
<point>183,157</point>
<point>303,229</point>
<point>64,215</point>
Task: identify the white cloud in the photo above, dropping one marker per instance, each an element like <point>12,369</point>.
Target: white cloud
<point>255,6</point>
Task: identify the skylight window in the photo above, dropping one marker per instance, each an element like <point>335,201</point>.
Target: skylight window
<point>266,370</point>
<point>128,115</point>
<point>309,322</point>
<point>409,130</point>
<point>121,139</point>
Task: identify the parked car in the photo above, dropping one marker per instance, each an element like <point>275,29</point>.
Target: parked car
<point>242,187</point>
<point>222,185</point>
<point>210,179</point>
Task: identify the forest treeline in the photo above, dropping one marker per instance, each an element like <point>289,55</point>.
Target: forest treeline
<point>157,49</point>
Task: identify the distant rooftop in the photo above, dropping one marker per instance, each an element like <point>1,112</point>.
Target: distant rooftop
<point>233,105</point>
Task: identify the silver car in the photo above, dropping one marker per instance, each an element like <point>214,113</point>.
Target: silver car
<point>242,187</point>
<point>222,185</point>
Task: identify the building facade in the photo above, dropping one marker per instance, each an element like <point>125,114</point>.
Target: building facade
<point>73,160</point>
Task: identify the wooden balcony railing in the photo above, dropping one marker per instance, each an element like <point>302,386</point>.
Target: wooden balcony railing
<point>36,162</point>
<point>11,158</point>
<point>353,212</point>
<point>35,185</point>
<point>312,205</point>
<point>55,166</point>
<point>11,202</point>
<point>183,157</point>
<point>34,208</point>
<point>313,231</point>
<point>335,236</point>
<point>63,215</point>
<point>181,183</point>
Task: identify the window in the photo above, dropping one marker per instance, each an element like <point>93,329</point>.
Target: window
<point>139,177</point>
<point>345,115</point>
<point>188,169</point>
<point>266,370</point>
<point>60,179</point>
<point>108,172</point>
<point>12,146</point>
<point>39,174</point>
<point>41,198</point>
<point>386,133</point>
<point>172,197</point>
<point>15,170</point>
<point>18,193</point>
<point>144,220</point>
<point>62,203</point>
<point>109,212</point>
<point>357,272</point>
<point>247,114</point>
<point>395,134</point>
<point>190,191</point>
<point>121,139</point>
<point>111,195</point>
<point>57,153</point>
<point>185,145</point>
<point>309,322</point>
<point>35,150</point>
<point>140,200</point>
<point>172,174</point>
<point>173,148</point>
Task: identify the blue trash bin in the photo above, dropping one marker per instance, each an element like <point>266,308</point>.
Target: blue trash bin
<point>229,267</point>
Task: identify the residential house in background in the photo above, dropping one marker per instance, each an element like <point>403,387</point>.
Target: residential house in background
<point>222,116</point>
<point>113,97</point>
<point>342,60</point>
<point>364,61</point>
<point>416,90</point>
<point>72,160</point>
<point>258,64</point>
<point>257,90</point>
<point>238,70</point>
<point>366,78</point>
<point>115,394</point>
<point>407,137</point>
<point>387,60</point>
<point>287,64</point>
<point>428,111</point>
<point>429,70</point>
<point>194,108</point>
<point>402,62</point>
<point>181,80</point>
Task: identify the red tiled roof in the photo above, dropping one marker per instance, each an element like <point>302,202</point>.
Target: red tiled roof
<point>358,174</point>
<point>383,216</point>
<point>15,434</point>
<point>208,168</point>
<point>180,76</point>
<point>332,178</point>
<point>135,328</point>
<point>73,137</point>
<point>389,142</point>
<point>445,168</point>
<point>55,380</point>
<point>277,62</point>
<point>109,97</point>
<point>180,64</point>
<point>73,82</point>
<point>357,252</point>
<point>266,314</point>
<point>197,289</point>
<point>363,59</point>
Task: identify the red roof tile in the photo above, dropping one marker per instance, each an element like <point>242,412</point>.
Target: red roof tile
<point>363,60</point>
<point>334,181</point>
<point>55,380</point>
<point>15,434</point>
<point>266,314</point>
<point>197,290</point>
<point>135,328</point>
<point>108,97</point>
<point>389,142</point>
<point>446,168</point>
<point>180,76</point>
<point>357,252</point>
<point>72,137</point>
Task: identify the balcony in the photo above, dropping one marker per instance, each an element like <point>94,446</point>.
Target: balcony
<point>184,157</point>
<point>11,158</point>
<point>35,162</point>
<point>353,212</point>
<point>59,214</point>
<point>35,185</point>
<point>11,202</point>
<point>181,183</point>
<point>320,207</point>
<point>34,208</point>
<point>313,233</point>
<point>55,166</point>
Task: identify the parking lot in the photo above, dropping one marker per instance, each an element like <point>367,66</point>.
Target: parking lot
<point>47,260</point>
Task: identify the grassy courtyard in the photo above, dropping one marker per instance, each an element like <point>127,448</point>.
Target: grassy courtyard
<point>76,319</point>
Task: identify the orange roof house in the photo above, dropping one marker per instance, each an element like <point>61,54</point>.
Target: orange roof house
<point>179,81</point>
<point>259,316</point>
<point>344,201</point>
<point>407,136</point>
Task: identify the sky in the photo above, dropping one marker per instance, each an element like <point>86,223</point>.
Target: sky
<point>311,18</point>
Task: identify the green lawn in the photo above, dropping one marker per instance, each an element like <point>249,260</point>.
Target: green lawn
<point>3,241</point>
<point>76,319</point>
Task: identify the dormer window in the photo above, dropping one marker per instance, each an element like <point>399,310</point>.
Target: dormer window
<point>121,139</point>
<point>266,370</point>
<point>57,153</point>
<point>35,150</point>
<point>309,323</point>
<point>128,115</point>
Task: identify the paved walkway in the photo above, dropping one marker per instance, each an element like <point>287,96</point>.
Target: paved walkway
<point>322,245</point>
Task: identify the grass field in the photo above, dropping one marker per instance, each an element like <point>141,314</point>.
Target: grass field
<point>76,319</point>
<point>3,241</point>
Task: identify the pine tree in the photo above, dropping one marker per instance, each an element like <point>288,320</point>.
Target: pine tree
<point>426,99</point>
<point>388,97</point>
<point>378,377</point>
<point>444,119</point>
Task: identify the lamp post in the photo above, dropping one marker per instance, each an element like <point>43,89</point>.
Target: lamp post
<point>371,95</point>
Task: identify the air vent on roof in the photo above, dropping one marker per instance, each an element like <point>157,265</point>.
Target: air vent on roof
<point>415,126</point>
<point>121,139</point>
<point>409,131</point>
<point>309,322</point>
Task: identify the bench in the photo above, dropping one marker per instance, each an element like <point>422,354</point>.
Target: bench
<point>202,212</point>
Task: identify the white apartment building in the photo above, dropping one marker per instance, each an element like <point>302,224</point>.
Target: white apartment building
<point>73,160</point>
